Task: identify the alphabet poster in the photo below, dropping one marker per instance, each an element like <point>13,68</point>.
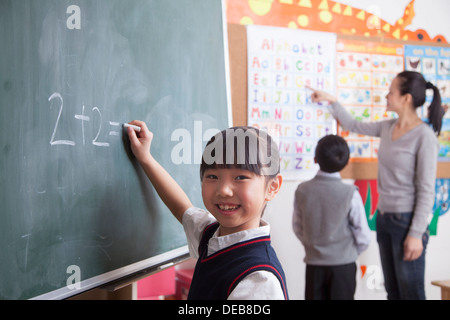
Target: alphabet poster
<point>280,63</point>
<point>365,71</point>
<point>434,64</point>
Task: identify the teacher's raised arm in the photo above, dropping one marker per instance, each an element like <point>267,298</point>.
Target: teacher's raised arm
<point>343,116</point>
<point>319,96</point>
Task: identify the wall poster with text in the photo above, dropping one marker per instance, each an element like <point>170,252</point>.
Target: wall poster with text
<point>434,64</point>
<point>281,62</point>
<point>365,71</point>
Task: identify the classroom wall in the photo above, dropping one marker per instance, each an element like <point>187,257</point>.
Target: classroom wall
<point>279,211</point>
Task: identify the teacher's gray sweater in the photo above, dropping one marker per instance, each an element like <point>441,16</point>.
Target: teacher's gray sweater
<point>406,167</point>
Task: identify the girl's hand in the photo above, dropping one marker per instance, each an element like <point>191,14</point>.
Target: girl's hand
<point>140,141</point>
<point>319,96</point>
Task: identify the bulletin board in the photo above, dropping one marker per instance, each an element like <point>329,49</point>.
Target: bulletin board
<point>434,64</point>
<point>237,41</point>
<point>365,70</point>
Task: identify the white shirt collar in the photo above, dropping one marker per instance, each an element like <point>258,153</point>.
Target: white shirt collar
<point>331,175</point>
<point>217,243</point>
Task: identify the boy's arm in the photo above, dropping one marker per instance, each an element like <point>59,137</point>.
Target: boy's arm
<point>358,223</point>
<point>296,220</point>
<point>167,188</point>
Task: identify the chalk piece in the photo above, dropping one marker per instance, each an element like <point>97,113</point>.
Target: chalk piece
<point>136,128</point>
<point>165,266</point>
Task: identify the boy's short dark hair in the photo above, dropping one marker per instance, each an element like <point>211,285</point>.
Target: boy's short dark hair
<point>244,148</point>
<point>332,153</point>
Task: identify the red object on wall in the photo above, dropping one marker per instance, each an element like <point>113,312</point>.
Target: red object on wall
<point>183,283</point>
<point>156,285</point>
<point>328,16</point>
<point>369,193</point>
<point>368,190</point>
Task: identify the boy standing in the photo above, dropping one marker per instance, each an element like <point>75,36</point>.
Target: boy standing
<point>329,219</point>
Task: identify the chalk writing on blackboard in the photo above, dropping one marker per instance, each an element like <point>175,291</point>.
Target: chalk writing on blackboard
<point>115,130</point>
<point>52,140</point>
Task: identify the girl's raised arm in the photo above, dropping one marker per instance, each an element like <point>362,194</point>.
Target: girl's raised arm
<point>167,188</point>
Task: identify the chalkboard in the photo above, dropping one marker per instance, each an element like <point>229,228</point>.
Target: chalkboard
<point>76,210</point>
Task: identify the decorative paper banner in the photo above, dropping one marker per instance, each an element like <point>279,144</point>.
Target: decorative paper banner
<point>369,194</point>
<point>434,64</point>
<point>333,16</point>
<point>441,203</point>
<point>280,63</point>
<point>364,73</point>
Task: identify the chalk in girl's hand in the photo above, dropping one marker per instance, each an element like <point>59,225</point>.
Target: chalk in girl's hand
<point>136,128</point>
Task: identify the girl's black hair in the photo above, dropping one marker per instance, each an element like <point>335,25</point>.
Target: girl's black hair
<point>415,84</point>
<point>244,148</point>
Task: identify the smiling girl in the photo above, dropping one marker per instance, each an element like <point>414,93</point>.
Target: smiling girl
<point>239,175</point>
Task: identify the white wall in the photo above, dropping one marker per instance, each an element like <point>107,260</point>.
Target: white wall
<point>288,248</point>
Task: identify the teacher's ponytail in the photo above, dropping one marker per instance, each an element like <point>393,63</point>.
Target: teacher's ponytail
<point>415,84</point>
<point>435,110</point>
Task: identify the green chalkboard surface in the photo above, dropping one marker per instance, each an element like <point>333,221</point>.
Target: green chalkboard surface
<point>76,210</point>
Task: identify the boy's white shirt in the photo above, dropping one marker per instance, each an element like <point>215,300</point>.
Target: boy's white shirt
<point>259,285</point>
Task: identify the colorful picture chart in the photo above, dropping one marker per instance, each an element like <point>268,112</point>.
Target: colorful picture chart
<point>434,64</point>
<point>281,62</point>
<point>364,73</point>
<point>441,203</point>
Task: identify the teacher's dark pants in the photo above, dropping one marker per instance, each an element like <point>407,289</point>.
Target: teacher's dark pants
<point>330,282</point>
<point>404,280</point>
